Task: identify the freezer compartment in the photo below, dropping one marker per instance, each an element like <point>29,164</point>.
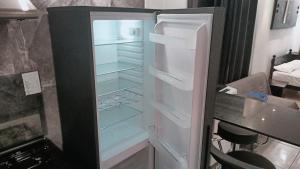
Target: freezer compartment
<point>123,135</point>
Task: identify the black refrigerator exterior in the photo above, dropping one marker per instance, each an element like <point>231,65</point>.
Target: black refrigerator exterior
<point>72,45</point>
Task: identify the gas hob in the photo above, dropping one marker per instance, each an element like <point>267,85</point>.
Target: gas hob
<point>40,154</point>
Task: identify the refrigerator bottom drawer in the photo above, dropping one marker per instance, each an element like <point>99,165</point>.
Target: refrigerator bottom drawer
<point>118,138</point>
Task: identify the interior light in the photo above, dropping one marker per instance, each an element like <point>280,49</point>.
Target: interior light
<point>24,5</point>
<point>263,119</point>
<point>274,110</point>
<point>127,29</point>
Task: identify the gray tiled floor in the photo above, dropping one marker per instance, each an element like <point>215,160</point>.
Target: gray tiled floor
<point>282,155</point>
<point>296,164</point>
<point>293,95</point>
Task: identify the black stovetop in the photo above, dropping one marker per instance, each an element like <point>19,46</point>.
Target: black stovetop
<point>40,154</point>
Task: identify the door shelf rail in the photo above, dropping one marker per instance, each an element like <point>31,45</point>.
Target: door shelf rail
<point>173,42</point>
<point>182,84</point>
<point>180,119</point>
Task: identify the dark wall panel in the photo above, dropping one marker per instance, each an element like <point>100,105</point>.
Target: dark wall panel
<point>237,42</point>
<point>238,36</point>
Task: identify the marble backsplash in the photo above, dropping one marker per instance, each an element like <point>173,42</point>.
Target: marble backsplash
<point>20,114</point>
<point>26,46</point>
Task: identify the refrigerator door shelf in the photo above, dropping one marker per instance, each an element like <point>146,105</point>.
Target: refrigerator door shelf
<point>184,37</point>
<point>171,159</point>
<point>178,82</point>
<point>180,119</point>
<point>173,42</point>
<point>174,137</point>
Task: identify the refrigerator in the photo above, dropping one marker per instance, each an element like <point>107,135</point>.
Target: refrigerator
<point>133,79</point>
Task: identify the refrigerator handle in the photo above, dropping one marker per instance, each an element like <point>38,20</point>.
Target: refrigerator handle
<point>156,13</point>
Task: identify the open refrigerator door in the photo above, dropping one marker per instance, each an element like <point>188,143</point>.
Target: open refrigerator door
<point>179,73</point>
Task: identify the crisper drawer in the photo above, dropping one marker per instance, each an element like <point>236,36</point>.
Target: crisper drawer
<point>172,136</point>
<point>121,136</point>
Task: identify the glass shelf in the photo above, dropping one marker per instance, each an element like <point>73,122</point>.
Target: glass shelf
<point>104,69</point>
<point>115,85</point>
<point>112,42</point>
<point>115,115</point>
<point>115,99</point>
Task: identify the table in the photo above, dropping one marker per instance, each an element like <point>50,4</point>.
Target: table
<point>277,122</point>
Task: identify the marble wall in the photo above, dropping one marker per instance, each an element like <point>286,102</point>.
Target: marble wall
<point>26,46</point>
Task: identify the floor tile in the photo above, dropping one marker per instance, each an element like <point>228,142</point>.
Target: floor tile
<point>281,155</point>
<point>296,164</point>
<point>293,95</point>
<point>290,145</point>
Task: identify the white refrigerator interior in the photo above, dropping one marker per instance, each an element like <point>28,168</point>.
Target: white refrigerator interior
<point>151,85</point>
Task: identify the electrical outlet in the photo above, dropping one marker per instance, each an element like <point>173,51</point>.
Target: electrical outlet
<point>31,81</point>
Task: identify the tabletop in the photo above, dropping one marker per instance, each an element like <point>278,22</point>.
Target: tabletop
<point>274,121</point>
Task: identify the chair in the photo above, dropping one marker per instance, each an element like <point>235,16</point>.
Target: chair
<point>236,135</point>
<point>241,160</point>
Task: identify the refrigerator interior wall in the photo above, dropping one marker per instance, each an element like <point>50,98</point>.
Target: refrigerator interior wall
<point>119,65</point>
